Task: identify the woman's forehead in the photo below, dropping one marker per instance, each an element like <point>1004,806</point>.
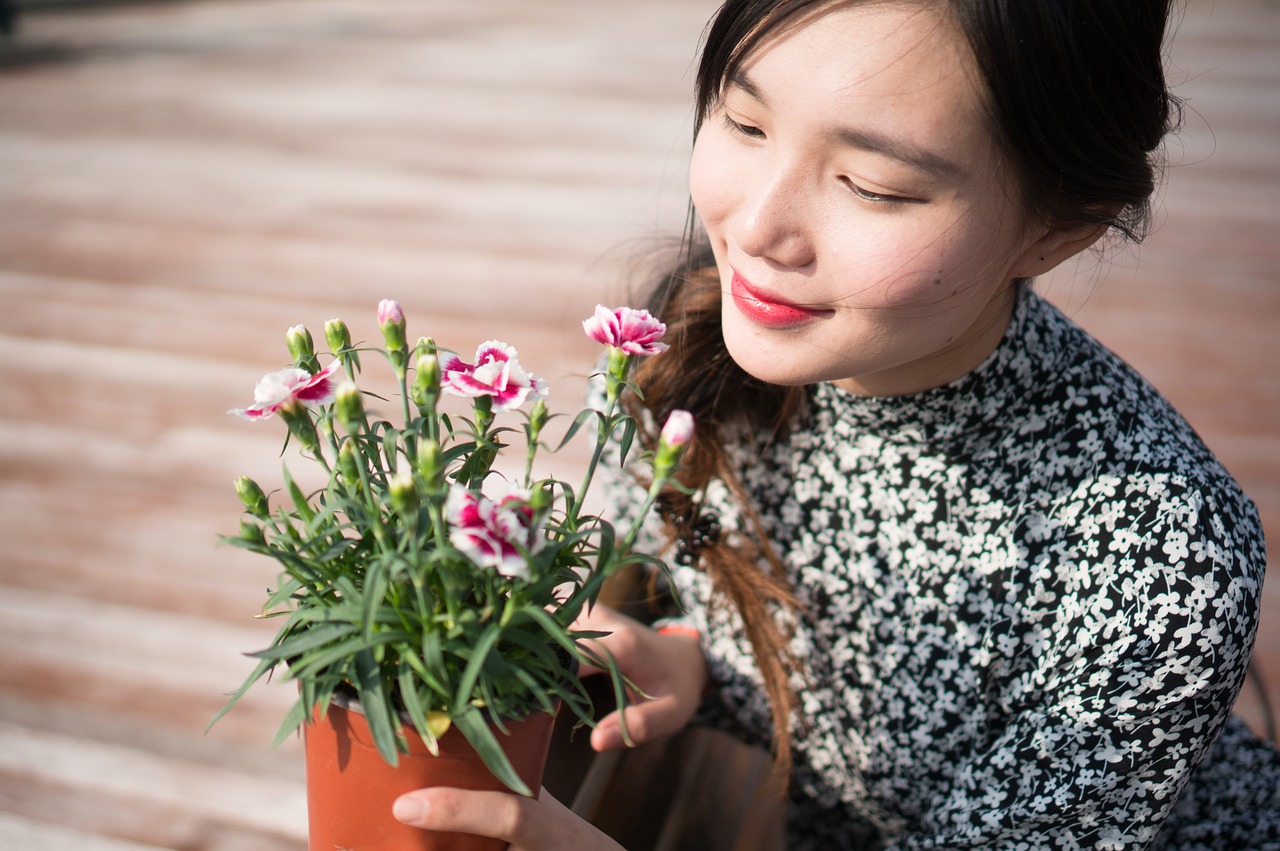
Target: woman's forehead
<point>866,56</point>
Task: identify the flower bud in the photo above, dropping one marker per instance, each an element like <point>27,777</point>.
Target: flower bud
<point>252,532</point>
<point>542,497</point>
<point>349,405</point>
<point>391,321</point>
<point>349,463</point>
<point>255,501</point>
<point>426,384</point>
<point>337,335</point>
<point>298,339</point>
<point>431,464</point>
<point>672,442</point>
<point>404,496</point>
<point>678,429</point>
<point>538,418</point>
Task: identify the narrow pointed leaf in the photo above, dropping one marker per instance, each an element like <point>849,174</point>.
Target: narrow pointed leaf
<point>473,726</point>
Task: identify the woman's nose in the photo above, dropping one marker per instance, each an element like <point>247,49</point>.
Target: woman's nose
<point>772,221</point>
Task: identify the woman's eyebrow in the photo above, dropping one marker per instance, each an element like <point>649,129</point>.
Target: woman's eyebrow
<point>738,79</point>
<point>938,167</point>
<point>932,164</point>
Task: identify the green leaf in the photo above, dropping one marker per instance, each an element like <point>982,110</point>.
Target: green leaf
<point>377,706</point>
<point>296,717</point>
<point>300,504</point>
<point>412,703</point>
<point>262,668</point>
<point>316,661</point>
<point>308,640</point>
<point>479,654</point>
<point>535,645</point>
<point>458,450</point>
<point>375,589</point>
<point>578,422</point>
<point>426,675</point>
<point>336,611</point>
<point>472,724</point>
<point>390,449</point>
<point>554,629</point>
<point>628,437</point>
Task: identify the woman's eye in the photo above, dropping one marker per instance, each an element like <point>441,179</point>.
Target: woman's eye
<point>875,197</point>
<point>747,130</point>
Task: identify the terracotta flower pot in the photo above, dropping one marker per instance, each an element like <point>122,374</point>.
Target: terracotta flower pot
<point>350,788</point>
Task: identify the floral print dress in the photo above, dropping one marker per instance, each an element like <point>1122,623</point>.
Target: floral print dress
<point>1029,599</point>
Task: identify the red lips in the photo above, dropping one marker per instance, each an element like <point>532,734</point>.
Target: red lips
<point>767,310</point>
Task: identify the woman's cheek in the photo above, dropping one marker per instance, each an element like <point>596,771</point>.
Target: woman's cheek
<point>901,261</point>
<point>708,184</point>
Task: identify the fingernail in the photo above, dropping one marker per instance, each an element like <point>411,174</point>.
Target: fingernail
<point>606,739</point>
<point>409,810</point>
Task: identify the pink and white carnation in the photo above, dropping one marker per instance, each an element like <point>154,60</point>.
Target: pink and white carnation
<point>288,388</point>
<point>634,332</point>
<point>496,373</point>
<point>499,534</point>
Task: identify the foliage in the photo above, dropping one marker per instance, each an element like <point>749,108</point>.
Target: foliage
<point>417,577</point>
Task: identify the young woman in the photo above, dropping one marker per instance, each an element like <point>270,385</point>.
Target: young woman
<point>972,578</point>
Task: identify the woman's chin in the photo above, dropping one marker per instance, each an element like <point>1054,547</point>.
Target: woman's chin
<point>768,364</point>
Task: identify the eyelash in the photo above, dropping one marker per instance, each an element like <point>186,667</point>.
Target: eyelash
<point>875,197</point>
<point>750,131</point>
<point>755,133</point>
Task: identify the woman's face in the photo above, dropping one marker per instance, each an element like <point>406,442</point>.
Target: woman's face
<point>864,227</point>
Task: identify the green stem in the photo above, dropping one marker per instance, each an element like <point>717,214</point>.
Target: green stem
<point>605,424</point>
<point>410,443</point>
<point>651,497</point>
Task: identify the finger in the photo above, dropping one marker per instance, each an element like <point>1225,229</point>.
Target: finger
<point>646,721</point>
<point>527,824</point>
<point>622,642</point>
<point>498,815</point>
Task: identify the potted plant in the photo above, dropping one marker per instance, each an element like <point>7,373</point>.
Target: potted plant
<point>427,603</point>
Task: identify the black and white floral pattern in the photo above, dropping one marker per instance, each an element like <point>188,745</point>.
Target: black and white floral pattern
<point>1030,598</point>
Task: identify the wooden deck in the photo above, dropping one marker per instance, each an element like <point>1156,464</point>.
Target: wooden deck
<point>181,181</point>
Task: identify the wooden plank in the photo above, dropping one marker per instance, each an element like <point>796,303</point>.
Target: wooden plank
<point>126,773</point>
<point>19,833</point>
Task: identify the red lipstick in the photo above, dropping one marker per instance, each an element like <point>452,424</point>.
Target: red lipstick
<point>768,310</point>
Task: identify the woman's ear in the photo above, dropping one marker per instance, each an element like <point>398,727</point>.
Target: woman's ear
<point>1057,244</point>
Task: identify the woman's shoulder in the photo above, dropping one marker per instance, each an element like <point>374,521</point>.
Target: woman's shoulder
<point>1118,480</point>
<point>1095,414</point>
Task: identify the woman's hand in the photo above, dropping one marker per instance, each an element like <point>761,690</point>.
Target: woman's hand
<point>668,668</point>
<point>529,825</point>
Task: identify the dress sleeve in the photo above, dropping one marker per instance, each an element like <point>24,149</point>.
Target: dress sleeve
<point>1148,612</point>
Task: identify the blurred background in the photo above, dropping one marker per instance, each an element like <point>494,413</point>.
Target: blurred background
<point>182,181</point>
